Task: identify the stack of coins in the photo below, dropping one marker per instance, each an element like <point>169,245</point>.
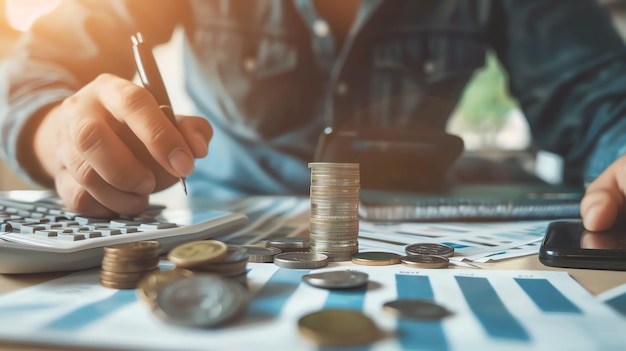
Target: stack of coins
<point>212,256</point>
<point>125,265</point>
<point>289,244</point>
<point>334,217</point>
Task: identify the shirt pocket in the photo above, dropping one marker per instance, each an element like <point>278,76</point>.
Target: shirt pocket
<point>251,71</point>
<point>245,53</point>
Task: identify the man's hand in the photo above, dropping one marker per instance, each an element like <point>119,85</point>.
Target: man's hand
<point>109,146</point>
<point>604,203</point>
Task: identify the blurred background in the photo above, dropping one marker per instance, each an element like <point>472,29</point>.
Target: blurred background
<point>487,118</point>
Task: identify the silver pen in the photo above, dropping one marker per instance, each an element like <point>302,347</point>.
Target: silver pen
<point>152,80</point>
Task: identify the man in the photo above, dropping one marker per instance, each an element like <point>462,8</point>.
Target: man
<point>270,75</point>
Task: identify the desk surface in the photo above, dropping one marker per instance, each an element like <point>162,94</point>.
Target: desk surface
<point>595,281</point>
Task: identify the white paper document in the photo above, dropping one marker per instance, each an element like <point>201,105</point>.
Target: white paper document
<point>273,217</point>
<point>615,298</point>
<point>490,310</point>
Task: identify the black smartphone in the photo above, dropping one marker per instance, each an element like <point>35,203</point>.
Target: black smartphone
<point>568,244</point>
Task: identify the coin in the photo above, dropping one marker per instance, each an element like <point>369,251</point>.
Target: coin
<point>196,253</point>
<point>124,265</point>
<point>429,249</point>
<point>261,254</point>
<point>288,243</point>
<point>338,328</point>
<point>202,300</point>
<point>375,258</point>
<point>425,261</point>
<point>150,286</point>
<point>346,279</point>
<point>133,250</point>
<point>111,265</point>
<point>416,309</point>
<point>301,260</point>
<point>125,276</point>
<point>118,285</point>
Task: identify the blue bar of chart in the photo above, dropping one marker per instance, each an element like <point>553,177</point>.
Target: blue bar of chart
<point>269,301</point>
<point>418,335</point>
<point>495,318</point>
<point>546,296</point>
<point>93,312</point>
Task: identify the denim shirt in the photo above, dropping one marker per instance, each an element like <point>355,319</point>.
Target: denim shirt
<point>269,75</point>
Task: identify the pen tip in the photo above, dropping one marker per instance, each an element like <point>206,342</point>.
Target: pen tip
<point>184,184</point>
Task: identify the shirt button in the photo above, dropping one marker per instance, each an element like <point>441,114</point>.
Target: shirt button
<point>320,28</point>
<point>429,67</point>
<point>341,89</point>
<point>249,65</point>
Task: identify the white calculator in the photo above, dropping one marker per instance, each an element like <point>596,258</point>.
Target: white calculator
<point>37,234</point>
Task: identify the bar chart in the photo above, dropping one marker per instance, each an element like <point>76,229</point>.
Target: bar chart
<point>490,310</point>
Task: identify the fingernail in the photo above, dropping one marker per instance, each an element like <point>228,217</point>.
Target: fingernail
<point>181,162</point>
<point>590,217</point>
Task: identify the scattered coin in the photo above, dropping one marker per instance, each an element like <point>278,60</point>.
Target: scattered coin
<point>198,252</point>
<point>301,260</point>
<point>261,254</point>
<point>152,284</point>
<point>416,309</point>
<point>425,261</point>
<point>376,258</point>
<point>202,300</point>
<point>429,249</point>
<point>338,328</point>
<point>347,279</point>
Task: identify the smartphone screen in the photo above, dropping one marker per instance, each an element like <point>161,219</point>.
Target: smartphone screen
<point>569,244</point>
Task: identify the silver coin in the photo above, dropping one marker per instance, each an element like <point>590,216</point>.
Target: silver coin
<point>288,243</point>
<point>347,279</point>
<point>235,253</point>
<point>202,300</point>
<point>301,260</point>
<point>334,165</point>
<point>429,249</point>
<point>261,254</point>
<point>416,309</point>
<point>425,261</point>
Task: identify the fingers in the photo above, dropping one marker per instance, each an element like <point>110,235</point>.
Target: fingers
<point>115,146</point>
<point>105,201</point>
<point>197,132</point>
<point>604,199</point>
<point>93,150</point>
<point>135,107</point>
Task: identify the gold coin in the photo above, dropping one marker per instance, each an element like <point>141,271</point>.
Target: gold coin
<point>133,250</point>
<point>338,328</point>
<point>197,253</point>
<point>150,286</point>
<point>375,258</point>
<point>425,261</point>
<point>125,277</point>
<point>111,265</point>
<point>118,285</point>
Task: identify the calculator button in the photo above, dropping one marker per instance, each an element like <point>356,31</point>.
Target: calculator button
<point>156,226</point>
